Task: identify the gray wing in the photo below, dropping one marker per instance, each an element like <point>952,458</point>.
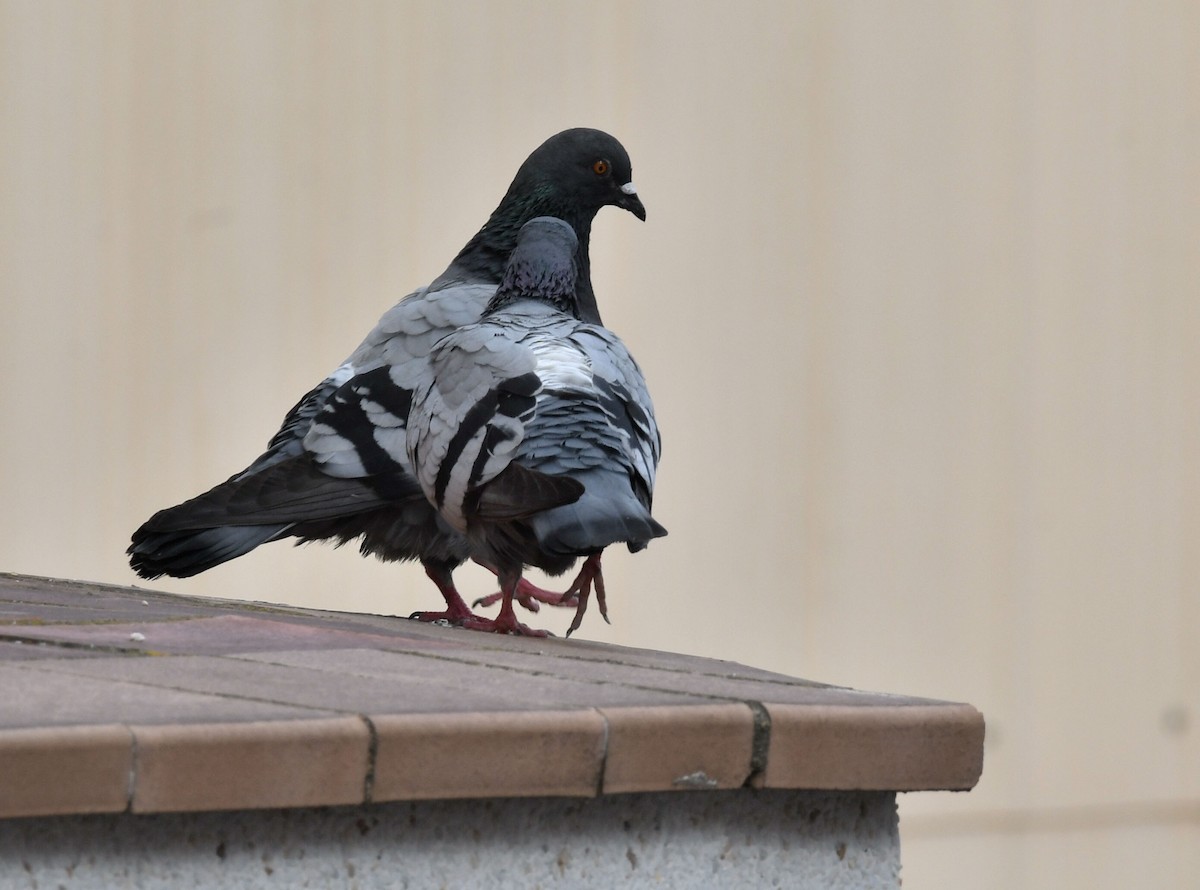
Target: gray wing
<point>334,457</point>
<point>400,341</point>
<point>469,408</point>
<point>359,427</point>
<point>595,422</point>
<point>625,399</point>
<point>600,413</point>
<point>288,442</point>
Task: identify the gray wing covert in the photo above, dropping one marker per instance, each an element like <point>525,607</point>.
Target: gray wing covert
<point>621,394</point>
<point>359,428</point>
<point>599,429</point>
<point>469,409</point>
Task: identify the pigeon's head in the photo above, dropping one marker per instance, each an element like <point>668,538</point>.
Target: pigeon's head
<point>542,266</point>
<point>582,169</point>
<point>569,176</point>
<point>546,241</point>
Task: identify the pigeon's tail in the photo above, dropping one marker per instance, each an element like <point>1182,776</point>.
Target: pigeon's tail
<point>605,515</point>
<point>182,554</point>
<point>236,516</point>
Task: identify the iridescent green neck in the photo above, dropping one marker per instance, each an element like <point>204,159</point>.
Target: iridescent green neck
<point>486,255</point>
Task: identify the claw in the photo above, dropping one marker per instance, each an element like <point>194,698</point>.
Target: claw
<point>506,621</point>
<point>531,596</point>
<point>499,626</point>
<point>589,575</point>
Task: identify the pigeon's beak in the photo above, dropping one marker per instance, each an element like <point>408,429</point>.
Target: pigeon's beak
<point>630,201</point>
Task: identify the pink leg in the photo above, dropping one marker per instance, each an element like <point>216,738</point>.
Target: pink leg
<point>506,621</point>
<point>589,574</point>
<point>529,595</point>
<point>457,611</point>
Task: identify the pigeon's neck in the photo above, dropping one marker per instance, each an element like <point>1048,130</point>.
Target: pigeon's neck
<point>486,255</point>
<point>505,297</point>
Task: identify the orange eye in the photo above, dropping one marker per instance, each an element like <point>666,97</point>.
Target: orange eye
<point>600,168</point>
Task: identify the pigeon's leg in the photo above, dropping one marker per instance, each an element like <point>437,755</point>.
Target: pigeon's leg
<point>529,594</point>
<point>457,611</point>
<point>589,576</point>
<point>506,621</point>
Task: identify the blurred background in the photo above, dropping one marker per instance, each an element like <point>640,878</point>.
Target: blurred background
<point>917,300</point>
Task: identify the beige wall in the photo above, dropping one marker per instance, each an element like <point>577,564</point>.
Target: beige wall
<point>917,299</point>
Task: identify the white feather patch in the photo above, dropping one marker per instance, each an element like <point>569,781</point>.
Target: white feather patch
<point>380,416</point>
<point>561,367</point>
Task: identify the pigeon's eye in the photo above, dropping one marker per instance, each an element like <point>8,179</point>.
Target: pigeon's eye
<point>600,167</point>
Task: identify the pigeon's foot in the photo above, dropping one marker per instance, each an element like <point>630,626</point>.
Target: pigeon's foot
<point>589,576</point>
<point>506,621</point>
<point>457,612</point>
<point>501,625</point>
<point>448,616</point>
<point>530,595</point>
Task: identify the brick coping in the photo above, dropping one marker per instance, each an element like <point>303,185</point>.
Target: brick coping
<point>129,699</point>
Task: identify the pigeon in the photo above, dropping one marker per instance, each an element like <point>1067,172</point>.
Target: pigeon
<point>337,469</point>
<point>532,431</point>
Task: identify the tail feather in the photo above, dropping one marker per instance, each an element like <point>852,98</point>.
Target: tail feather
<point>573,531</point>
<point>293,490</point>
<point>182,554</point>
<point>518,491</point>
<point>606,514</point>
<point>233,518</point>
